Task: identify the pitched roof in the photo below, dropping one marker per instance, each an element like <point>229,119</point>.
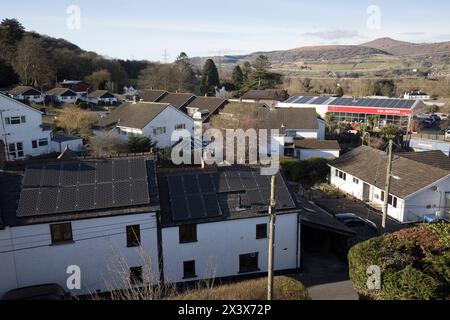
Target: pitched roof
<point>99,94</point>
<point>370,165</point>
<point>210,104</point>
<point>57,137</point>
<point>435,158</point>
<point>201,196</point>
<point>133,115</point>
<point>178,100</point>
<point>317,144</point>
<point>56,92</point>
<point>288,119</point>
<point>152,95</point>
<point>21,90</point>
<point>271,94</point>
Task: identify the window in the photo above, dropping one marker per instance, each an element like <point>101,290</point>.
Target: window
<point>136,275</point>
<point>355,181</point>
<point>189,269</point>
<point>34,143</point>
<point>261,231</point>
<point>15,150</point>
<point>61,233</point>
<point>341,175</point>
<point>188,233</point>
<point>158,131</point>
<point>382,196</point>
<point>180,126</point>
<point>133,236</point>
<point>248,262</point>
<point>43,142</point>
<point>392,201</point>
<point>15,120</point>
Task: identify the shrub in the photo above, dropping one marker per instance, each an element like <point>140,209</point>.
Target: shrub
<point>311,171</point>
<point>139,143</point>
<point>414,264</point>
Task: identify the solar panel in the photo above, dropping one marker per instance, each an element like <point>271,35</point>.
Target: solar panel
<point>291,99</point>
<point>33,176</point>
<point>28,202</point>
<point>104,171</point>
<point>176,185</point>
<point>122,193</point>
<point>47,201</point>
<point>221,183</point>
<point>104,196</point>
<point>86,197</point>
<point>248,180</point>
<point>120,170</point>
<point>70,175</point>
<point>51,175</point>
<point>139,192</point>
<point>234,181</point>
<point>196,208</point>
<point>191,184</point>
<point>179,208</point>
<point>86,174</point>
<point>206,183</point>
<point>211,205</point>
<point>138,169</point>
<point>67,199</point>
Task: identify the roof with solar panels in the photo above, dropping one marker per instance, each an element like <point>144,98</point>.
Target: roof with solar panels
<point>78,189</point>
<point>355,102</point>
<point>225,193</point>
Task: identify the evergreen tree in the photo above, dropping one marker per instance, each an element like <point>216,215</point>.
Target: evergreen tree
<point>237,77</point>
<point>185,73</point>
<point>210,78</point>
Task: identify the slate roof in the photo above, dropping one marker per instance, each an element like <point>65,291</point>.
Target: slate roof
<point>57,137</point>
<point>210,104</point>
<point>22,90</point>
<point>100,94</point>
<point>317,144</point>
<point>152,95</point>
<point>435,158</point>
<point>78,189</point>
<point>288,118</point>
<point>178,100</point>
<point>271,94</point>
<point>226,193</point>
<point>56,92</point>
<point>414,172</point>
<point>133,115</point>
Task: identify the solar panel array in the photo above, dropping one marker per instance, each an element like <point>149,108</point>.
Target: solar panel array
<point>201,195</point>
<point>351,102</point>
<point>83,186</point>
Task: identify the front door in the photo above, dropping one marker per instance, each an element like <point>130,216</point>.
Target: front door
<point>15,151</point>
<point>366,192</point>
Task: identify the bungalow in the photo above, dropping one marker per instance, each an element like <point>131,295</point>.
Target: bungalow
<point>311,148</point>
<point>207,106</point>
<point>80,87</point>
<point>92,220</point>
<point>178,100</point>
<point>63,95</point>
<point>152,95</point>
<point>420,183</point>
<point>25,93</point>
<point>61,142</point>
<point>155,120</point>
<point>102,97</point>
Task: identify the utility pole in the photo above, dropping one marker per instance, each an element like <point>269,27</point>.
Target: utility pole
<point>273,218</point>
<point>387,186</point>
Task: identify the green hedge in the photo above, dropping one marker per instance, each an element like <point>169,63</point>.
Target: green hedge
<point>414,263</point>
<point>311,171</point>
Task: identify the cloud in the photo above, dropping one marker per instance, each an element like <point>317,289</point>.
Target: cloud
<point>333,34</point>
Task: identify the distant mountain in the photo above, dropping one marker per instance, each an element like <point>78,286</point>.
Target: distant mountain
<point>401,48</point>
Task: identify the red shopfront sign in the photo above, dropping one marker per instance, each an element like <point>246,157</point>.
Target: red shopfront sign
<point>387,111</point>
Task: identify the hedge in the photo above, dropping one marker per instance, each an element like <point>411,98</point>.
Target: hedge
<point>311,171</point>
<point>414,264</point>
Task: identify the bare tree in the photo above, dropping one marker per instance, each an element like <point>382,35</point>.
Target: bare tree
<point>73,120</point>
<point>107,144</point>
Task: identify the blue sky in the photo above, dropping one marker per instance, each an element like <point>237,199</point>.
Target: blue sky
<point>138,29</point>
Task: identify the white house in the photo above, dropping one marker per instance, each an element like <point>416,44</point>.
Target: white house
<point>420,182</point>
<point>416,95</point>
<point>101,233</point>
<point>61,142</point>
<point>155,120</point>
<point>27,93</point>
<point>214,224</point>
<point>63,95</point>
<point>102,97</point>
<point>311,148</point>
<point>22,130</point>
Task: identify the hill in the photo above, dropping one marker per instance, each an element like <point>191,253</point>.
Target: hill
<point>408,49</point>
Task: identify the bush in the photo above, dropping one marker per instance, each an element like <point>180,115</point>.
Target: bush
<point>310,171</point>
<point>414,264</point>
<point>139,143</point>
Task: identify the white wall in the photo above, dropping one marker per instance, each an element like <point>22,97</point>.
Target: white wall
<point>74,145</point>
<point>219,245</point>
<point>36,261</point>
<point>25,132</point>
<point>34,99</point>
<point>66,99</point>
<point>321,109</point>
<point>305,154</point>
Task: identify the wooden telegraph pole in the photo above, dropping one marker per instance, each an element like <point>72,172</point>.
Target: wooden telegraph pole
<point>273,218</point>
<point>387,186</point>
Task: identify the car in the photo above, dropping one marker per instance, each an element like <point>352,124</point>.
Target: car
<point>427,123</point>
<point>447,134</point>
<point>442,116</point>
<point>45,292</point>
<point>354,221</point>
<point>435,117</point>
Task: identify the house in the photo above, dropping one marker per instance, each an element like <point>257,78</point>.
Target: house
<point>63,95</point>
<point>418,144</point>
<point>311,148</point>
<point>416,95</point>
<point>94,217</point>
<point>61,142</point>
<point>359,110</point>
<point>273,95</point>
<point>178,100</point>
<point>152,95</point>
<point>214,224</point>
<point>155,120</point>
<point>80,87</point>
<point>293,124</point>
<point>207,106</point>
<point>22,130</point>
<point>25,93</point>
<point>102,97</point>
<point>420,183</point>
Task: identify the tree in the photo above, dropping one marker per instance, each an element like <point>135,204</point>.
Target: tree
<point>7,75</point>
<point>11,32</point>
<point>107,144</point>
<point>246,70</point>
<point>100,80</point>
<point>391,131</point>
<point>210,78</point>
<point>237,77</point>
<point>32,63</point>
<point>261,65</point>
<point>139,143</point>
<point>340,91</point>
<point>158,76</point>
<point>185,73</point>
<point>75,121</point>
<point>306,85</point>
<point>385,87</point>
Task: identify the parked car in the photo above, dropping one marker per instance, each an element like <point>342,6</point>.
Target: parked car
<point>447,134</point>
<point>427,123</point>
<point>435,117</point>
<point>43,292</point>
<point>354,221</point>
<point>442,116</point>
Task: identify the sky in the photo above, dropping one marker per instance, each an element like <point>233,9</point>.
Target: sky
<point>160,30</point>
